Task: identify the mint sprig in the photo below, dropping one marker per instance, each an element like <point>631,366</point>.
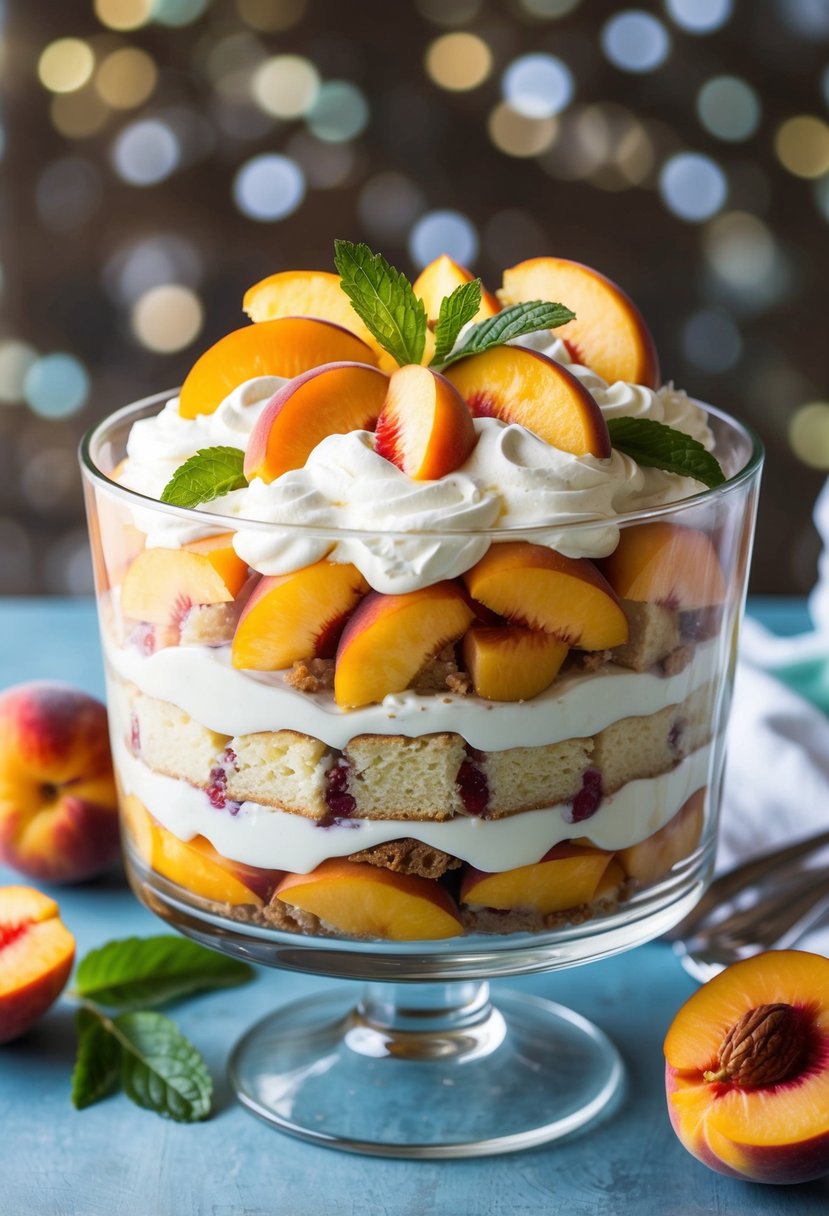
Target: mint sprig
<point>659,446</point>
<point>512,322</point>
<point>139,971</point>
<point>383,299</point>
<point>206,475</point>
<point>456,310</point>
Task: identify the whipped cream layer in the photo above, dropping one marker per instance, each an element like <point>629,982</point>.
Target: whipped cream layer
<point>276,840</point>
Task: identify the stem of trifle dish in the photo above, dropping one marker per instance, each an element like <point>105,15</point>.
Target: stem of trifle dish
<point>426,1021</point>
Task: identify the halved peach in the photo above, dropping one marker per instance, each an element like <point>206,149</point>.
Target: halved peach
<point>566,876</point>
<point>296,616</point>
<point>523,386</point>
<point>329,400</point>
<point>286,347</point>
<point>389,638</point>
<point>439,279</point>
<point>609,333</point>
<point>538,588</point>
<point>425,427</point>
<point>367,901</point>
<point>653,857</point>
<point>36,956</point>
<point>510,663</point>
<point>161,585</point>
<point>664,563</point>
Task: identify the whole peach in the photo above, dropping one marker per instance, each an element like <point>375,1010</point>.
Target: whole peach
<point>58,817</point>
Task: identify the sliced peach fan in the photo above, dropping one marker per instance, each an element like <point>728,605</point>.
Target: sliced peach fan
<point>425,427</point>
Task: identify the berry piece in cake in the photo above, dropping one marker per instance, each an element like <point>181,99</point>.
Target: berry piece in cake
<point>666,564</point>
<point>589,798</point>
<point>565,877</point>
<point>390,638</point>
<point>608,334</point>
<point>425,427</point>
<point>523,386</point>
<point>329,400</point>
<point>537,588</point>
<point>162,585</point>
<point>510,663</point>
<point>296,616</point>
<point>652,858</point>
<point>439,279</point>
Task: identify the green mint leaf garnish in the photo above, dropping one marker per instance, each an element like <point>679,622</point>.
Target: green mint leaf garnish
<point>663,447</point>
<point>511,322</point>
<point>205,476</point>
<point>97,1069</point>
<point>160,1069</point>
<point>383,299</point>
<point>456,310</point>
<point>154,970</point>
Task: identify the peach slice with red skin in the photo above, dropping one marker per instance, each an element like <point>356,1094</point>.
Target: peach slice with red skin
<point>668,564</point>
<point>367,901</point>
<point>36,956</point>
<point>747,1069</point>
<point>425,427</point>
<point>286,347</point>
<point>161,585</point>
<point>608,334</point>
<point>540,589</point>
<point>523,386</point>
<point>509,663</point>
<point>389,638</point>
<point>439,279</point>
<point>296,616</point>
<point>329,400</point>
<point>653,857</point>
<point>566,876</point>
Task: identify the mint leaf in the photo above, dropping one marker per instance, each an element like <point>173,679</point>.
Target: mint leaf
<point>511,322</point>
<point>663,447</point>
<point>97,1063</point>
<point>456,310</point>
<point>207,475</point>
<point>139,971</point>
<point>383,299</point>
<point>161,1070</point>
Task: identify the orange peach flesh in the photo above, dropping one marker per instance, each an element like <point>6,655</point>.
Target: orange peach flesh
<point>541,589</point>
<point>566,877</point>
<point>161,585</point>
<point>367,901</point>
<point>665,563</point>
<point>425,427</point>
<point>296,616</point>
<point>304,293</point>
<point>609,333</point>
<point>439,279</point>
<point>36,956</point>
<point>511,663</point>
<point>523,386</point>
<point>653,857</point>
<point>285,347</point>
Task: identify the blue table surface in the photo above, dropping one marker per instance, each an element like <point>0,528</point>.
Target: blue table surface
<point>116,1160</point>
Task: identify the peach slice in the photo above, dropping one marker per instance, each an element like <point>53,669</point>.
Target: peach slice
<point>286,347</point>
<point>663,563</point>
<point>608,334</point>
<point>36,956</point>
<point>566,876</point>
<point>367,901</point>
<point>329,400</point>
<point>425,427</point>
<point>390,638</point>
<point>439,279</point>
<point>655,856</point>
<point>305,293</point>
<point>511,663</point>
<point>296,616</point>
<point>747,1069</point>
<point>162,585</point>
<point>538,588</point>
<point>523,386</point>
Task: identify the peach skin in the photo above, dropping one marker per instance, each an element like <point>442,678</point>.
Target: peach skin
<point>36,956</point>
<point>663,563</point>
<point>566,876</point>
<point>439,279</point>
<point>424,427</point>
<point>508,663</point>
<point>162,585</point>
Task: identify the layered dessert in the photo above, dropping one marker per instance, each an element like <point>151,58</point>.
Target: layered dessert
<point>417,604</point>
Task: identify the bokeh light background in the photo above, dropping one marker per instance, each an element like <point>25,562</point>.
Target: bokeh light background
<point>159,156</point>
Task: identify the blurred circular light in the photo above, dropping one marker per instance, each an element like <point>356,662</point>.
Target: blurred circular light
<point>15,568</point>
<point>56,386</point>
<point>68,565</point>
<point>822,196</point>
<point>388,205</point>
<point>824,84</point>
<point>802,146</point>
<point>325,166</point>
<point>123,14</point>
<point>449,12</point>
<point>447,232</point>
<point>809,434</point>
<point>78,115</point>
<point>459,61</point>
<point>48,478</point>
<point>692,186</point>
<point>15,360</point>
<point>549,8</point>
<point>178,12</point>
<point>145,152</point>
<point>126,78</point>
<point>711,340</point>
<point>271,15</point>
<point>154,261</point>
<point>699,16</point>
<point>231,62</point>
<point>810,18</point>
<point>728,108</point>
<point>538,86</point>
<point>339,112</point>
<point>167,318</point>
<point>66,65</point>
<point>269,187</point>
<point>68,193</point>
<point>634,155</point>
<point>518,135</point>
<point>741,250</point>
<point>286,85</point>
<point>635,41</point>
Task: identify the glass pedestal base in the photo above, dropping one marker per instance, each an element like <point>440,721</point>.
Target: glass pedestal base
<point>426,1070</point>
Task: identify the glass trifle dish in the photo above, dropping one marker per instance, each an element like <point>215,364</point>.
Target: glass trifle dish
<point>419,610</point>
